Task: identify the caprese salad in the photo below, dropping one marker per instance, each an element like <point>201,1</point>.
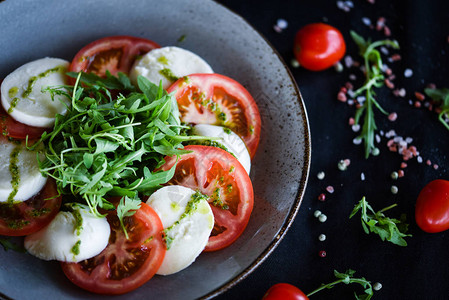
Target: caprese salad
<point>126,162</point>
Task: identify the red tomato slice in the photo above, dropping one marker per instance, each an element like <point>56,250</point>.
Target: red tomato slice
<point>29,216</point>
<point>123,265</point>
<point>115,53</point>
<point>17,130</point>
<point>218,174</point>
<point>219,100</point>
<point>284,291</point>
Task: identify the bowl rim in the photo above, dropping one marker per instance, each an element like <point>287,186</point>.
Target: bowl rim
<point>303,180</point>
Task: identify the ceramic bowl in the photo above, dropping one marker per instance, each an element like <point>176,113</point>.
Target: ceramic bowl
<point>32,29</point>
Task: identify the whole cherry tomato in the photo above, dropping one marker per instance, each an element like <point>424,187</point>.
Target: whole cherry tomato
<point>432,207</point>
<point>284,291</point>
<point>318,46</point>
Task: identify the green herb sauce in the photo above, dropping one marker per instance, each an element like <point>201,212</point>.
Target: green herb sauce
<point>163,60</point>
<point>191,207</point>
<point>13,92</point>
<point>76,248</point>
<point>227,130</point>
<point>15,173</point>
<point>167,73</point>
<point>78,221</point>
<point>17,224</point>
<point>13,104</point>
<point>33,79</point>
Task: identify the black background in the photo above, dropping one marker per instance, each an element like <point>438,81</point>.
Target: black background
<point>418,271</point>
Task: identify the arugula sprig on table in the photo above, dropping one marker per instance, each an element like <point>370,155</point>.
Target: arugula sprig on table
<point>108,141</point>
<point>348,278</point>
<point>392,230</point>
<point>441,98</point>
<point>7,244</point>
<point>374,79</point>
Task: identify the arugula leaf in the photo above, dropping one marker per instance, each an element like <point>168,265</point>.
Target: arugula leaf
<point>374,79</point>
<point>8,245</point>
<point>441,98</point>
<point>348,278</point>
<point>392,230</point>
<point>106,143</point>
<point>126,208</point>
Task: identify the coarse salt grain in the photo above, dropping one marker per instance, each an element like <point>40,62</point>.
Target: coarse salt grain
<point>352,77</point>
<point>435,166</point>
<point>408,73</point>
<point>362,176</point>
<point>277,29</point>
<point>357,141</point>
<point>366,21</point>
<point>355,127</point>
<point>419,159</point>
<point>377,138</point>
<point>282,23</point>
<point>330,189</point>
<point>348,61</point>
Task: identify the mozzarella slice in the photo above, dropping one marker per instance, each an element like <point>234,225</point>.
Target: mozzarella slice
<point>62,239</point>
<point>168,64</point>
<point>188,234</point>
<point>20,178</point>
<point>230,140</point>
<point>22,97</point>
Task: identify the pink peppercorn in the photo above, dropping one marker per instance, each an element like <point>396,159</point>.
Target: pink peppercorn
<point>389,84</point>
<point>322,197</point>
<point>393,116</point>
<point>401,173</point>
<point>322,253</point>
<point>342,96</point>
<point>403,165</point>
<point>420,96</point>
<point>417,104</point>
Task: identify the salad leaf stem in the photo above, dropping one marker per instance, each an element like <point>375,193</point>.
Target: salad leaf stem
<point>392,230</point>
<point>441,99</point>
<point>374,79</point>
<point>348,278</point>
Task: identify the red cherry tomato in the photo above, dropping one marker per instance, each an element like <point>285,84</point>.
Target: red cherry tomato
<point>284,291</point>
<point>115,54</point>
<point>125,264</point>
<point>29,216</point>
<point>219,100</point>
<point>432,207</point>
<point>318,46</point>
<point>218,174</point>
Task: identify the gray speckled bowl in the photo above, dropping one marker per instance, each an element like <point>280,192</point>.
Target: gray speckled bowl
<point>31,29</point>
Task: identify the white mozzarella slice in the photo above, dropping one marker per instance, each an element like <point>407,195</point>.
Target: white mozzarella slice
<point>230,140</point>
<point>22,97</point>
<point>188,234</point>
<point>20,178</point>
<point>62,239</point>
<point>171,61</point>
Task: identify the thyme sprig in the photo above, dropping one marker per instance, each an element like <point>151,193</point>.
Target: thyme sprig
<point>374,79</point>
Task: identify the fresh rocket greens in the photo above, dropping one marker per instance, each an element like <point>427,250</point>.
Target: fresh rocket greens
<point>8,245</point>
<point>441,98</point>
<point>108,142</point>
<point>392,230</point>
<point>374,79</point>
<point>348,278</point>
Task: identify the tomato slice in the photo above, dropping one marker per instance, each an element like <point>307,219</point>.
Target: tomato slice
<point>115,53</point>
<point>123,265</point>
<point>218,174</point>
<point>219,100</point>
<point>29,216</point>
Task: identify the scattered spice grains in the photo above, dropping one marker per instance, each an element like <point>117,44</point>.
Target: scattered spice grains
<point>321,175</point>
<point>377,286</point>
<point>322,218</point>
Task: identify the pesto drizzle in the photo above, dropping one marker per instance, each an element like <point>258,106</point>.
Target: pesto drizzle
<point>15,173</point>
<point>190,208</point>
<point>167,73</point>
<point>76,248</point>
<point>31,82</point>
